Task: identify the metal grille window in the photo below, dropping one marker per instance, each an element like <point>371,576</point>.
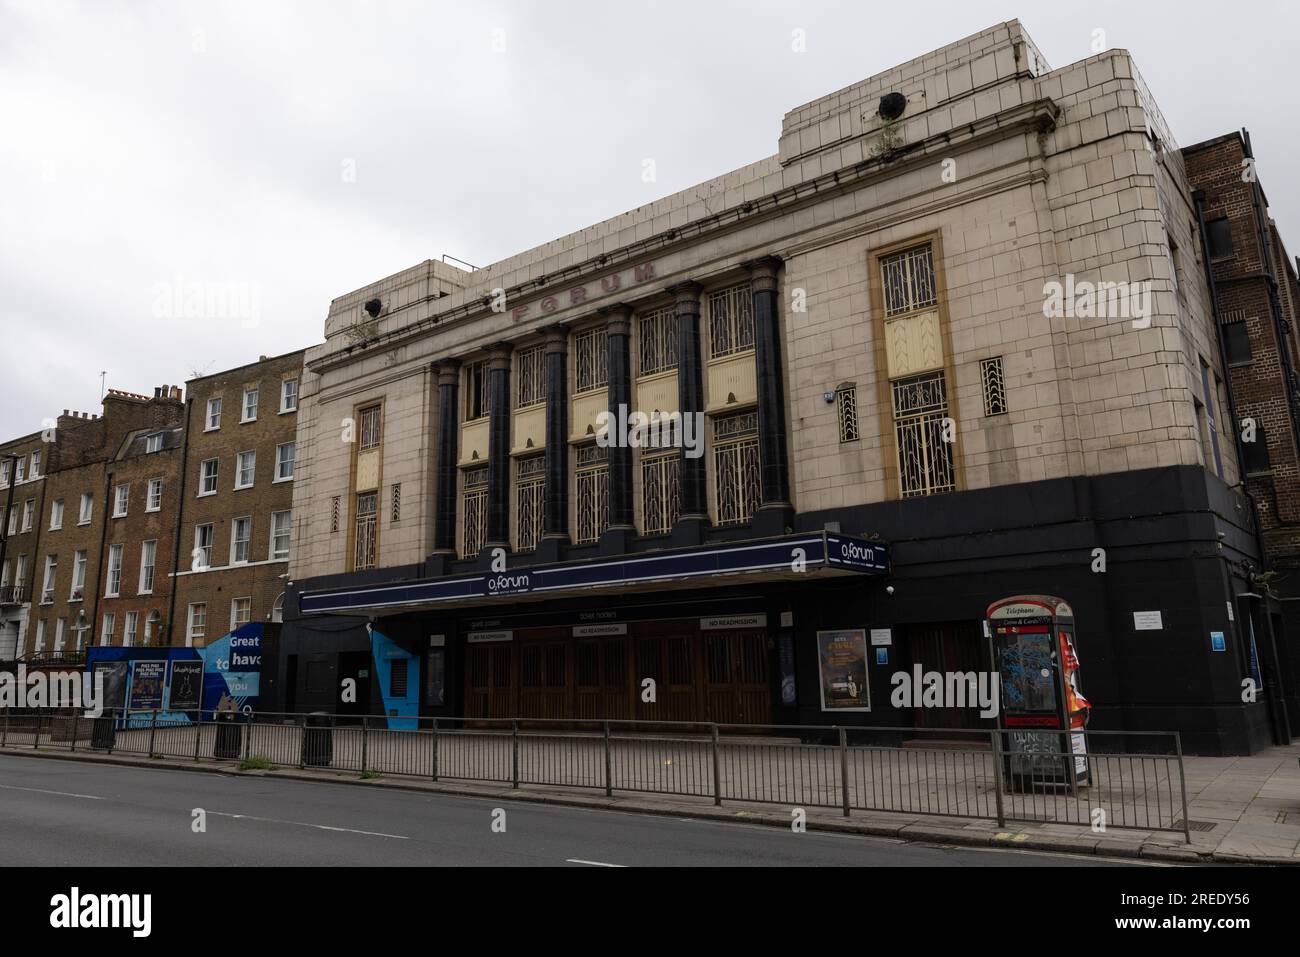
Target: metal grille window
<point>735,466</point>
<point>657,332</point>
<point>476,390</point>
<point>395,501</point>
<point>334,513</point>
<point>908,280</point>
<point>530,489</point>
<point>924,458</point>
<point>371,428</point>
<point>995,391</point>
<point>475,512</point>
<point>593,493</point>
<point>591,355</point>
<point>365,552</point>
<point>531,371</point>
<point>846,410</point>
<point>659,492</point>
<point>731,321</point>
<point>397,672</point>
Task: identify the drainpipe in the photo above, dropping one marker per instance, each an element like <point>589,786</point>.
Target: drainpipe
<point>180,516</point>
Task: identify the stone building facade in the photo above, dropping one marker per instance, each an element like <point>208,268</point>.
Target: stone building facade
<point>953,342</point>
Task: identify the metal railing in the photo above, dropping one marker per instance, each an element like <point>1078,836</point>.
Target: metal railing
<point>971,774</point>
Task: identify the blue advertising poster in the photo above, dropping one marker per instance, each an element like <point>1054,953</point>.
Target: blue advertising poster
<point>232,670</point>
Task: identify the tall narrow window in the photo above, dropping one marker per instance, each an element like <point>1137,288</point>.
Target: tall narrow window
<point>530,368</point>
<point>591,360</point>
<point>148,557</point>
<point>474,498</point>
<point>153,500</point>
<point>213,420</point>
<point>846,411</point>
<point>241,612</point>
<point>735,466</point>
<point>395,503</point>
<point>78,575</point>
<point>476,390</point>
<point>1210,397</point>
<point>51,575</point>
<point>659,492</point>
<point>920,416</point>
<point>995,392</point>
<point>281,528</point>
<point>530,489</point>
<point>241,531</point>
<point>201,557</point>
<point>371,428</point>
<point>592,481</point>
<point>250,405</point>
<point>196,630</point>
<point>289,395</point>
<point>129,630</point>
<point>657,340</point>
<point>731,321</point>
<point>87,508</point>
<point>208,477</point>
<point>365,552</point>
<point>247,469</point>
<point>284,458</point>
<point>106,633</point>
<point>113,587</point>
<point>121,498</point>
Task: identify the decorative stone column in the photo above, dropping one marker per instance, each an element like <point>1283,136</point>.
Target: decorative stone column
<point>693,503</point>
<point>447,442</point>
<point>555,512</point>
<point>775,514</point>
<point>618,337</point>
<point>499,412</point>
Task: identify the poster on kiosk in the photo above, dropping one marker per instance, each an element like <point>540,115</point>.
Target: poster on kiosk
<point>1044,712</point>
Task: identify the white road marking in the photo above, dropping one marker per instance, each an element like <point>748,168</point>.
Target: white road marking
<point>578,860</point>
<point>67,794</point>
<point>319,827</point>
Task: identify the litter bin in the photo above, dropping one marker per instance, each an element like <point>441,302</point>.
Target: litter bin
<point>229,741</point>
<point>103,733</point>
<point>317,740</point>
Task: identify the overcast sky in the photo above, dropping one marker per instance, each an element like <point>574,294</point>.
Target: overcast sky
<point>287,153</point>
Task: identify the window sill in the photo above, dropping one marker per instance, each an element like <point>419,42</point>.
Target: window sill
<point>287,411</point>
<point>206,494</point>
<point>240,488</point>
<point>212,428</point>
<point>246,421</point>
<point>149,510</point>
<point>279,481</point>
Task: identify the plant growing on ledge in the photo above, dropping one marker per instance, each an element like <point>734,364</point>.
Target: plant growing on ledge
<point>890,140</point>
<point>361,332</point>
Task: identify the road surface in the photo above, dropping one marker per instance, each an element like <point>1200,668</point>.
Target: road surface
<point>57,812</point>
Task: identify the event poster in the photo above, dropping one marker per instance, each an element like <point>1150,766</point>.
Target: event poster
<point>147,684</point>
<point>842,659</point>
<point>185,687</point>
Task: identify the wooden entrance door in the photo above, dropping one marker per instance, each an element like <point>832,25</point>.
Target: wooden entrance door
<point>544,679</point>
<point>670,661</point>
<point>737,689</point>
<point>952,646</point>
<point>600,679</point>
<point>490,686</point>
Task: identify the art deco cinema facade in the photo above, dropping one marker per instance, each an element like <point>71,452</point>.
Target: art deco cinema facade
<point>895,435</point>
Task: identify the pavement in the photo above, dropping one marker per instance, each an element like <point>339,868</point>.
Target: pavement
<point>1244,810</point>
<point>93,813</point>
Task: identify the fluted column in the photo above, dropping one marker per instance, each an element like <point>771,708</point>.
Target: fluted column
<point>618,333</point>
<point>692,475</point>
<point>775,513</point>
<point>555,516</point>
<point>498,503</point>
<point>448,441</point>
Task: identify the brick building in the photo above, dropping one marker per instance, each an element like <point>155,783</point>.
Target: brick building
<point>85,459</point>
<point>1254,282</point>
<point>22,494</point>
<point>903,420</point>
<point>235,518</point>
